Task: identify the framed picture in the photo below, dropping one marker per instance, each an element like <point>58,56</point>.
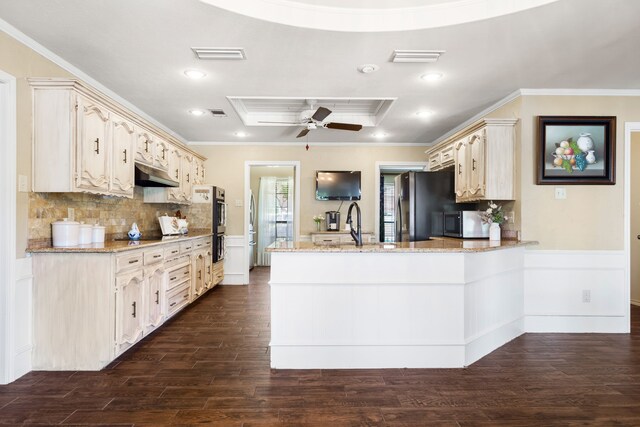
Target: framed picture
<point>576,150</point>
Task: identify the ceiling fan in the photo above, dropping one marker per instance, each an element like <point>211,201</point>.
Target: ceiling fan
<point>313,120</point>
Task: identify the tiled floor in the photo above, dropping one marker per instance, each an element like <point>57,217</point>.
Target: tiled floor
<point>210,365</point>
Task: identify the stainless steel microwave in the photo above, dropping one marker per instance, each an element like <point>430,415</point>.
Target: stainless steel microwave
<point>464,224</point>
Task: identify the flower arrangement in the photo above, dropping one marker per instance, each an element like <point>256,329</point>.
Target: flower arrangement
<point>493,214</point>
<point>318,220</point>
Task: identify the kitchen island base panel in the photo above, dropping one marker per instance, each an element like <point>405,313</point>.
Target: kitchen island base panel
<point>418,310</point>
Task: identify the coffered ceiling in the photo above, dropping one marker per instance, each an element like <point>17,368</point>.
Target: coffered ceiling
<point>140,50</point>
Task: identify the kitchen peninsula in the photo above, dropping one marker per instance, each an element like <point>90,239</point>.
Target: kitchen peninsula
<point>442,303</point>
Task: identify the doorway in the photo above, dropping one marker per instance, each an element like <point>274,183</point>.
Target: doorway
<point>8,197</point>
<point>634,217</point>
<point>272,209</point>
<point>385,196</point>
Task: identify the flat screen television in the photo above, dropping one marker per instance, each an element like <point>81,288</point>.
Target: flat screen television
<point>338,185</point>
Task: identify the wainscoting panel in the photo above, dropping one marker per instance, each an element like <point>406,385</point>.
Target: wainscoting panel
<point>22,319</point>
<point>575,291</point>
<point>234,261</point>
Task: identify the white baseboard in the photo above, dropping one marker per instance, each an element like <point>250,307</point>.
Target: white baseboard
<point>488,342</point>
<point>576,291</point>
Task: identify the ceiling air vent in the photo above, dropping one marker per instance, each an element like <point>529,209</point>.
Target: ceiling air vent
<point>219,52</point>
<point>416,55</point>
<point>218,112</point>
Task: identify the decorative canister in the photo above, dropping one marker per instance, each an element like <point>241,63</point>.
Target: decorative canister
<point>86,234</point>
<point>97,235</point>
<point>65,233</point>
<point>494,232</point>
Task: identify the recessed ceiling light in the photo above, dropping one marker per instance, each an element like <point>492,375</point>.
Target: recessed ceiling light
<point>431,77</point>
<point>378,134</point>
<point>195,74</point>
<point>240,134</point>
<point>368,68</point>
<point>197,112</point>
<point>424,113</point>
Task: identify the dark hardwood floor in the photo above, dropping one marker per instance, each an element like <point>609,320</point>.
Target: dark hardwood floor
<point>210,365</point>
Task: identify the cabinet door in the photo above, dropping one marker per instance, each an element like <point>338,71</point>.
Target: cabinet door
<point>461,169</point>
<point>155,292</point>
<point>129,317</point>
<point>175,169</point>
<point>145,148</point>
<point>476,163</point>
<point>187,176</point>
<point>199,274</point>
<point>161,155</point>
<point>208,269</point>
<point>93,147</point>
<point>198,173</point>
<point>122,169</point>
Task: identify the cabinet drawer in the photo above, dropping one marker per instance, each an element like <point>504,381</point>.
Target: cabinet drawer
<point>200,243</point>
<point>446,156</point>
<point>153,256</point>
<point>186,246</point>
<point>217,272</point>
<point>177,262</point>
<point>178,275</point>
<point>171,252</point>
<point>128,261</point>
<point>434,161</point>
<point>178,298</point>
<point>326,240</point>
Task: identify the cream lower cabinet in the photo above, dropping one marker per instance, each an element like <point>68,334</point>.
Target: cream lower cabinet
<point>129,309</point>
<point>199,274</point>
<point>91,307</point>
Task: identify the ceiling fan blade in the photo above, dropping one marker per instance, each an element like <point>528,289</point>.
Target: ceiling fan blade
<point>343,126</point>
<point>302,133</point>
<point>321,114</point>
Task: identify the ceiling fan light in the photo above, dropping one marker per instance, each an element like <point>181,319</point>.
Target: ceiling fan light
<point>195,74</point>
<point>432,77</point>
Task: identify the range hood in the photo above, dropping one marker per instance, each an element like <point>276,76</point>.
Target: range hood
<point>146,176</point>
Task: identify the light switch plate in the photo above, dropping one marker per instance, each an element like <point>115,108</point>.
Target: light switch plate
<point>561,193</point>
<point>238,203</point>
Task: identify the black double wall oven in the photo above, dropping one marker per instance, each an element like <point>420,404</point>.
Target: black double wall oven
<point>219,224</point>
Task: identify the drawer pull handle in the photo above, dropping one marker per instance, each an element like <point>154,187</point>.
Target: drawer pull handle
<point>172,304</point>
<point>185,273</point>
<point>174,252</point>
<point>133,261</point>
<point>186,296</point>
<point>173,278</point>
<point>157,297</point>
<point>134,309</point>
<point>157,256</point>
<point>445,155</point>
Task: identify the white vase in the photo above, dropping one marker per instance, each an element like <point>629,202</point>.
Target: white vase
<point>494,231</point>
<point>585,143</point>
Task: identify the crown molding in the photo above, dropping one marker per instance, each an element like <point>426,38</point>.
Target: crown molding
<point>304,143</point>
<point>40,49</point>
<point>580,92</point>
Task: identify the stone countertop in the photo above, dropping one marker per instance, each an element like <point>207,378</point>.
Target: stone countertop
<point>436,245</point>
<point>116,245</point>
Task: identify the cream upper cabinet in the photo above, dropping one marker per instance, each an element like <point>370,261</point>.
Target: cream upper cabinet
<point>122,163</point>
<point>145,147</point>
<point>93,147</point>
<point>129,316</point>
<point>484,155</point>
<point>199,173</point>
<point>187,176</point>
<point>161,157</point>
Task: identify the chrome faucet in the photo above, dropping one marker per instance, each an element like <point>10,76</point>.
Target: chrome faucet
<point>357,233</point>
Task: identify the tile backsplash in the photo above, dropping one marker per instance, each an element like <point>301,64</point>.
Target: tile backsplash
<point>116,213</point>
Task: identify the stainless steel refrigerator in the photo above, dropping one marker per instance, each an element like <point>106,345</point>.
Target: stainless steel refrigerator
<point>420,199</point>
